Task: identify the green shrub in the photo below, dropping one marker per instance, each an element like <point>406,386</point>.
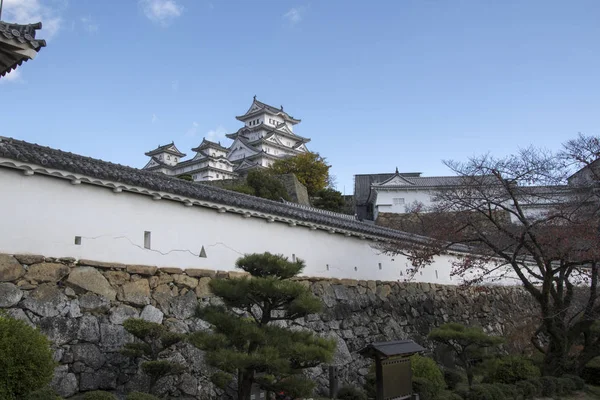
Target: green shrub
<point>99,395</point>
<point>351,393</point>
<point>425,389</point>
<point>578,381</point>
<point>528,389</point>
<point>480,392</point>
<point>549,386</point>
<point>43,394</point>
<point>141,396</point>
<point>448,395</point>
<point>510,391</point>
<point>26,362</point>
<point>496,391</point>
<point>426,368</point>
<point>566,386</point>
<point>462,390</point>
<point>510,370</point>
<point>453,377</point>
<point>591,372</point>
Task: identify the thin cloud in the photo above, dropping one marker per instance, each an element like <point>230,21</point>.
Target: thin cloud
<point>217,134</point>
<point>31,11</point>
<point>294,16</point>
<point>161,11</point>
<point>193,131</point>
<point>89,25</point>
<point>13,76</point>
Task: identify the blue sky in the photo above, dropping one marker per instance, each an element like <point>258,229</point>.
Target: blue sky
<point>378,84</point>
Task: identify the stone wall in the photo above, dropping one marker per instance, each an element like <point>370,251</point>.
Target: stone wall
<point>81,306</point>
<point>295,190</point>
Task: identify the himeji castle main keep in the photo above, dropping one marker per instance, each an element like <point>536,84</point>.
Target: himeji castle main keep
<point>267,134</point>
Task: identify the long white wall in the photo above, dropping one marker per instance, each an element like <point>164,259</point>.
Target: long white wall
<point>43,215</point>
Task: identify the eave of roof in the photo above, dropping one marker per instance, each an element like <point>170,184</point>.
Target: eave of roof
<point>268,128</point>
<point>263,107</point>
<point>165,148</point>
<point>208,144</point>
<point>44,160</point>
<point>18,44</point>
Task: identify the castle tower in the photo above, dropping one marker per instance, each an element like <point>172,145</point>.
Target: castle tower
<point>267,135</point>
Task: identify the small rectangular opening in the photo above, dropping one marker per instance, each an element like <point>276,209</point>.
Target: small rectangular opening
<point>436,274</point>
<point>147,239</point>
<point>293,258</point>
<point>379,265</point>
<point>78,240</point>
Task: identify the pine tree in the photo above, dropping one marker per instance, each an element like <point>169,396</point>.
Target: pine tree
<point>248,341</point>
<point>154,339</point>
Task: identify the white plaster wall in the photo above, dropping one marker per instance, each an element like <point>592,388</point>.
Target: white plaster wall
<point>42,215</point>
<point>385,200</point>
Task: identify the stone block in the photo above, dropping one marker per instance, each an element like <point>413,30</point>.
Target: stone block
<point>137,292</point>
<point>93,302</point>
<point>10,268</point>
<point>200,273</point>
<point>120,314</point>
<point>164,278</point>
<point>46,301</point>
<point>60,330</point>
<point>113,337</point>
<point>90,279</point>
<point>142,270</point>
<point>29,259</point>
<point>117,278</point>
<point>89,329</point>
<point>186,281</point>
<point>152,314</point>
<point>171,270</point>
<point>101,264</point>
<point>47,272</point>
<point>89,354</point>
<point>183,307</point>
<point>203,289</point>
<point>10,295</point>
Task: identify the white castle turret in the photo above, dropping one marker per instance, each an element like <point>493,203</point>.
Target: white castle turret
<point>267,135</point>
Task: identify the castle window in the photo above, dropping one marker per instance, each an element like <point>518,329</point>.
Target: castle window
<point>147,239</point>
<point>78,240</point>
<point>168,157</point>
<point>398,201</point>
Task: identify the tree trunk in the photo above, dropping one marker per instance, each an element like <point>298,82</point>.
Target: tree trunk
<point>556,360</point>
<point>245,380</point>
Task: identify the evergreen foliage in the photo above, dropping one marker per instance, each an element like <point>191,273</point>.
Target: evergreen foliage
<point>453,378</point>
<point>26,362</point>
<point>510,369</point>
<point>154,339</point>
<point>466,343</point>
<point>186,177</point>
<point>351,393</point>
<point>329,199</point>
<point>245,342</point>
<point>426,368</point>
<point>43,394</point>
<point>262,183</point>
<point>310,169</point>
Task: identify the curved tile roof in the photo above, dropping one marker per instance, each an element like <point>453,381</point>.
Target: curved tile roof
<point>47,157</point>
<point>21,37</point>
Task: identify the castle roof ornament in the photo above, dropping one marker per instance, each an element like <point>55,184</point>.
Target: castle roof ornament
<point>254,97</point>
<point>397,170</point>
